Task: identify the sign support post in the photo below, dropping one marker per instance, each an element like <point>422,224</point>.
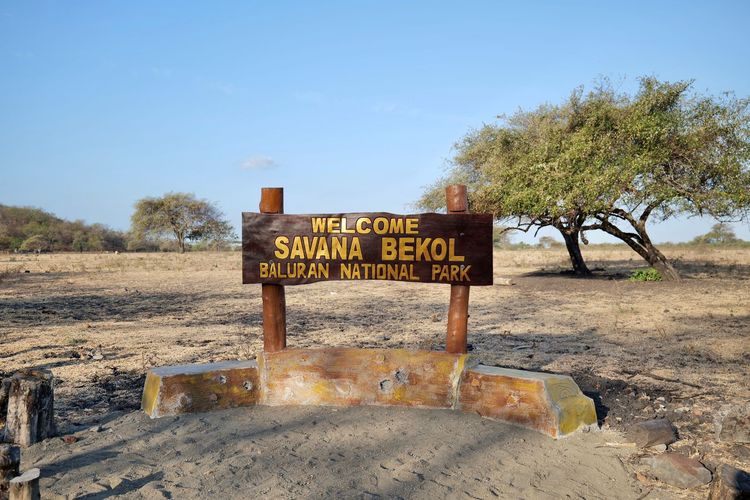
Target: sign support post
<point>458,310</point>
<point>274,298</point>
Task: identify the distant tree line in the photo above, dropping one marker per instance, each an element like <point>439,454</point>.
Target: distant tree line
<point>26,229</point>
<point>174,222</point>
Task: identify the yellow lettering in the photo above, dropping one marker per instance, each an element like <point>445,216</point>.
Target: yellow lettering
<point>318,224</point>
<point>435,271</point>
<point>282,247</point>
<point>380,225</point>
<point>297,250</point>
<point>345,229</point>
<point>356,249</point>
<point>412,276</point>
<point>465,273</point>
<point>406,249</point>
<point>361,229</point>
<point>438,249</point>
<point>454,272</point>
<point>380,271</point>
<point>388,249</point>
<point>334,225</point>
<point>323,270</point>
<point>444,273</point>
<point>397,226</point>
<point>412,225</point>
<point>322,252</point>
<point>338,248</point>
<point>309,246</point>
<point>393,271</point>
<point>423,252</point>
<point>452,257</point>
<point>263,270</point>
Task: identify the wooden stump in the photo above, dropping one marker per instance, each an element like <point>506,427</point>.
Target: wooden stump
<point>10,458</point>
<point>4,389</point>
<point>25,486</point>
<point>30,408</point>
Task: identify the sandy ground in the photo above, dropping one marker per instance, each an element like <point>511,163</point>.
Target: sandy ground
<point>642,350</point>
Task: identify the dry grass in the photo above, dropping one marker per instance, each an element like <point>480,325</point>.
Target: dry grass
<point>688,342</point>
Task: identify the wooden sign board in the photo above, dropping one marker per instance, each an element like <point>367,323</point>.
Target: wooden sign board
<point>425,248</point>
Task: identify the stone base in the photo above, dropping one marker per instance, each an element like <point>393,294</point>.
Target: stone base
<point>171,390</point>
<point>546,402</point>
<point>549,403</point>
<point>352,377</point>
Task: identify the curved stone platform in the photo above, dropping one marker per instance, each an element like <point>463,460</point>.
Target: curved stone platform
<point>549,403</point>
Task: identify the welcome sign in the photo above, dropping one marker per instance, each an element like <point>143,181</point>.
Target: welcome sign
<point>289,249</point>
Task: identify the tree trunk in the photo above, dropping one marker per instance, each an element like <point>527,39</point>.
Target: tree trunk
<point>30,407</point>
<point>574,251</point>
<point>642,245</point>
<point>25,486</point>
<point>659,262</point>
<point>10,459</point>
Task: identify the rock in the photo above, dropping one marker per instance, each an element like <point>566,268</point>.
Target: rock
<point>70,439</point>
<point>741,452</point>
<point>652,433</point>
<point>659,448</point>
<point>114,481</point>
<point>730,484</point>
<point>153,490</point>
<point>96,428</point>
<point>735,427</point>
<point>678,470</point>
<point>503,282</point>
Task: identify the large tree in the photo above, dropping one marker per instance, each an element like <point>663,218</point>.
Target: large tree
<point>610,161</point>
<point>182,216</point>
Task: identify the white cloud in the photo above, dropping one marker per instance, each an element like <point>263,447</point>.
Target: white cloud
<point>259,162</point>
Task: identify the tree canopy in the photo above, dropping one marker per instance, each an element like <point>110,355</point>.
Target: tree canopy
<point>182,216</point>
<point>605,160</point>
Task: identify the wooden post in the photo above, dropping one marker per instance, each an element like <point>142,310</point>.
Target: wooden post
<point>30,407</point>
<point>458,310</point>
<point>25,486</point>
<point>10,459</point>
<point>274,299</point>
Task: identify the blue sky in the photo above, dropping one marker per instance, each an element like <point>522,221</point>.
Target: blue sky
<point>351,106</point>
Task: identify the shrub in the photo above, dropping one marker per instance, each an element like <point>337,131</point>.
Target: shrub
<point>649,274</point>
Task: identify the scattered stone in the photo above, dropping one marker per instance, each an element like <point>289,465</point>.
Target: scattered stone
<point>735,427</point>
<point>659,448</point>
<point>730,484</point>
<point>70,439</point>
<point>97,356</point>
<point>678,470</point>
<point>114,482</point>
<point>504,281</point>
<point>96,428</point>
<point>153,490</point>
<point>652,433</point>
